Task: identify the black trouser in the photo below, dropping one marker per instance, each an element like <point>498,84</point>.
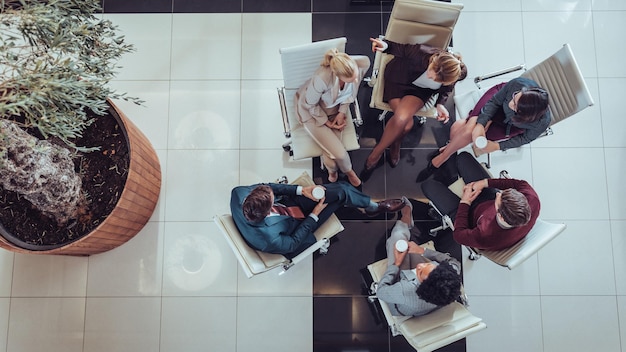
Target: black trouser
<point>446,201</point>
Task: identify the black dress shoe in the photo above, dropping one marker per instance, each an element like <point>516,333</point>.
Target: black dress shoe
<point>387,206</point>
<point>426,173</point>
<point>394,154</point>
<point>367,172</point>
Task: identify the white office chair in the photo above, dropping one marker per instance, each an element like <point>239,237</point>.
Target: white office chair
<point>298,64</point>
<point>559,74</point>
<point>540,234</point>
<point>412,22</point>
<point>255,262</point>
<point>433,330</point>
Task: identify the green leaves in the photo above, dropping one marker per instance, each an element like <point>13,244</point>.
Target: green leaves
<point>57,60</point>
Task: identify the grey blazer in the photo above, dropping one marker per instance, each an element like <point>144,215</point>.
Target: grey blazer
<point>397,287</point>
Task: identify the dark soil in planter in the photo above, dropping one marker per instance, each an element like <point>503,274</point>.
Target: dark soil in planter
<point>103,173</point>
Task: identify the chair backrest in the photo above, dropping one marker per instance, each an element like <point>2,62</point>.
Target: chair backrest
<point>433,330</point>
<point>300,62</point>
<point>560,75</point>
<point>414,22</point>
<point>541,234</point>
<point>423,21</point>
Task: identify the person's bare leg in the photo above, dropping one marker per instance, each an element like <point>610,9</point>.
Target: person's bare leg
<point>460,136</point>
<point>398,126</point>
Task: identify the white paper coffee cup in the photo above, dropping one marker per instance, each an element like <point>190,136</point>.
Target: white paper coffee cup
<point>480,142</point>
<point>318,193</point>
<point>402,245</point>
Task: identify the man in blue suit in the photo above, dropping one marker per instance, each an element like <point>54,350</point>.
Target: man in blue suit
<point>268,231</point>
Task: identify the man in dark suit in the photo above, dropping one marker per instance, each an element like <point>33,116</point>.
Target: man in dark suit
<point>254,212</point>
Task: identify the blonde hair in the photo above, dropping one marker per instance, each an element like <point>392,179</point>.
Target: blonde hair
<point>448,67</point>
<point>341,64</point>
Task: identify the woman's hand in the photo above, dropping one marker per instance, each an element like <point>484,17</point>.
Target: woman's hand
<point>338,123</point>
<point>415,248</point>
<point>378,45</point>
<point>442,113</point>
<point>491,147</point>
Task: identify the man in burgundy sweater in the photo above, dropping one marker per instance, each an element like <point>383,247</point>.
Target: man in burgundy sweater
<point>492,214</point>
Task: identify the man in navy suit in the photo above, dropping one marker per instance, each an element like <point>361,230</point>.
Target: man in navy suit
<point>268,231</point>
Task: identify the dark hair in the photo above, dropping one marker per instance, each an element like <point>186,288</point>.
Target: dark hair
<point>442,286</point>
<point>258,203</point>
<point>531,105</point>
<point>514,208</point>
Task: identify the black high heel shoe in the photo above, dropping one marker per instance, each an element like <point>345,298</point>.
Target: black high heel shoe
<point>366,173</point>
<point>426,172</point>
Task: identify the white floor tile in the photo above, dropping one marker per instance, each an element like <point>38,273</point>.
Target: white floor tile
<point>133,269</point>
<point>4,322</point>
<point>204,115</point>
<point>49,276</point>
<point>571,183</point>
<point>621,311</point>
<point>6,273</point>
<point>486,278</point>
<point>259,166</point>
<point>516,161</point>
<point>509,52</point>
<point>289,320</point>
<point>46,325</point>
<point>122,324</point>
<point>613,127</point>
<point>151,117</point>
<point>575,28</point>
<point>261,119</point>
<point>584,323</point>
<point>197,261</point>
<point>618,233</point>
<point>206,46</point>
<point>566,267</point>
<point>604,5</point>
<point>564,6</point>
<point>609,49</point>
<point>297,281</point>
<point>151,35</point>
<point>489,5</point>
<point>513,324</point>
<point>194,324</point>
<point>615,170</point>
<point>199,183</point>
<point>263,34</point>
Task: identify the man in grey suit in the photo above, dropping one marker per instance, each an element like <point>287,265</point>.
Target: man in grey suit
<point>418,280</point>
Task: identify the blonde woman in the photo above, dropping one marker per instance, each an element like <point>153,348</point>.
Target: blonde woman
<point>322,104</point>
<point>416,73</point>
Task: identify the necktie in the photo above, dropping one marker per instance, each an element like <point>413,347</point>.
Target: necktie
<point>294,212</point>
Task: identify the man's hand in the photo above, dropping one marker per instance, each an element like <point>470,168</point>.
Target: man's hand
<point>479,185</point>
<point>415,248</point>
<point>442,113</point>
<point>469,194</point>
<point>319,207</point>
<point>398,256</point>
<point>307,191</point>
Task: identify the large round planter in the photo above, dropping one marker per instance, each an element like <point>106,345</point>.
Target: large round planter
<point>134,208</point>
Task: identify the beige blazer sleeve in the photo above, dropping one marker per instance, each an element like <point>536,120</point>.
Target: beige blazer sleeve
<point>324,85</point>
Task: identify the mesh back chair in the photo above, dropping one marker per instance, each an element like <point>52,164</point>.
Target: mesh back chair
<point>298,64</point>
<point>414,22</point>
<point>255,262</point>
<point>559,74</point>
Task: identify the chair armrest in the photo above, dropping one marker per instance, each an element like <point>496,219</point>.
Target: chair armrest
<point>283,112</point>
<point>479,79</point>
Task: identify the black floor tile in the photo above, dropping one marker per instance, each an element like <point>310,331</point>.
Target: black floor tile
<point>352,5</point>
<point>277,6</point>
<point>356,27</point>
<point>137,6</point>
<point>203,6</point>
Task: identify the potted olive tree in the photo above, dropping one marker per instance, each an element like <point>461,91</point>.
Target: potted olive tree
<point>76,176</point>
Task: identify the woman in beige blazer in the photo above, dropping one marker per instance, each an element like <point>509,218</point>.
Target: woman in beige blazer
<point>322,104</point>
